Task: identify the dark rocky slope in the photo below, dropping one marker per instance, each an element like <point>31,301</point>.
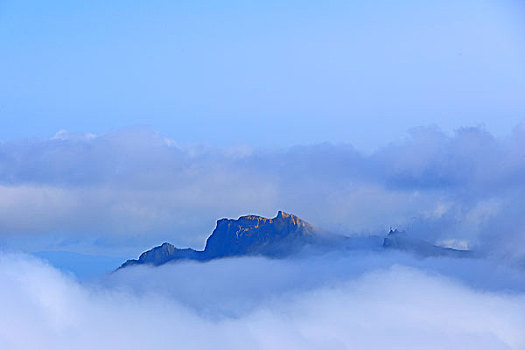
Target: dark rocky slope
<point>248,235</point>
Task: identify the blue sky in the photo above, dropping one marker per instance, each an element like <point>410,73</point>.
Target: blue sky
<point>265,74</point>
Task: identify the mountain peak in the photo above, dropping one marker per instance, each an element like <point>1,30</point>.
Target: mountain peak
<point>282,214</point>
<point>253,234</point>
<point>247,235</point>
<point>281,236</point>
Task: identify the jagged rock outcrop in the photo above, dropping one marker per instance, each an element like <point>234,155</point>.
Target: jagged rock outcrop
<point>254,234</point>
<point>247,235</point>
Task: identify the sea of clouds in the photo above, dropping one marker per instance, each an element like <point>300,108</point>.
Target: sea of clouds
<point>352,300</point>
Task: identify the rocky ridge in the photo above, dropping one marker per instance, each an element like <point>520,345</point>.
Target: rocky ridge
<point>247,235</point>
<point>281,236</point>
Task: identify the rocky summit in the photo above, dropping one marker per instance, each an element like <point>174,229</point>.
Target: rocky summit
<point>282,236</point>
<point>247,235</point>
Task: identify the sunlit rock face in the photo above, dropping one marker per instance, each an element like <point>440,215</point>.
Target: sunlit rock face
<point>253,234</point>
<point>248,235</point>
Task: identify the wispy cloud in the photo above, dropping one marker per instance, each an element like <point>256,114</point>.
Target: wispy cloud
<point>135,187</point>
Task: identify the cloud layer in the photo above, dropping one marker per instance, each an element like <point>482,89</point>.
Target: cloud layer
<point>134,188</point>
<point>254,303</point>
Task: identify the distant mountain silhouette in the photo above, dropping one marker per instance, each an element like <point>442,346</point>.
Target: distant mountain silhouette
<point>281,236</point>
<point>248,235</point>
<point>401,241</point>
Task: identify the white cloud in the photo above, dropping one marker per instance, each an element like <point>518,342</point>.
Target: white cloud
<point>136,189</point>
<point>255,303</point>
<point>72,136</point>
